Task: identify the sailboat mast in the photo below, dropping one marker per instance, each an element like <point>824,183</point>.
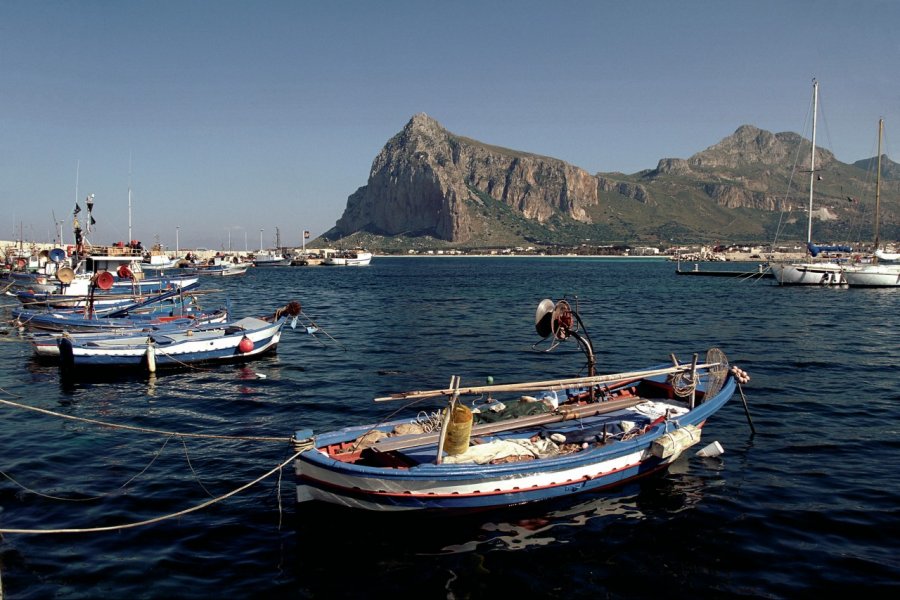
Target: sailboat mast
<point>878,182</point>
<point>812,160</point>
<point>130,237</point>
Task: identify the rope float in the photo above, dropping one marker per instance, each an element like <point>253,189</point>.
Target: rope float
<point>743,377</point>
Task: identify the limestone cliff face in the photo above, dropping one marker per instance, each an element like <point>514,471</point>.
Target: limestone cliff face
<point>427,180</point>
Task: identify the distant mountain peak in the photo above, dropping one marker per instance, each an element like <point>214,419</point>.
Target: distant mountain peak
<point>429,182</point>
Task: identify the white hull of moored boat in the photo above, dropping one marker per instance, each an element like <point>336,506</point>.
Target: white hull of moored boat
<point>873,276</point>
<point>823,274</point>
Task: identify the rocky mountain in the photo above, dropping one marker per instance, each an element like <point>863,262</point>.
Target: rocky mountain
<point>428,183</point>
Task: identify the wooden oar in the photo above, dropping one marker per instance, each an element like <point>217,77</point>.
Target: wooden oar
<point>555,384</point>
<point>561,414</point>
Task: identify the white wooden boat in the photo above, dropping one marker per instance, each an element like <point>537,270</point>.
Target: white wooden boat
<point>232,341</point>
<point>223,268</point>
<point>271,259</point>
<point>348,258</point>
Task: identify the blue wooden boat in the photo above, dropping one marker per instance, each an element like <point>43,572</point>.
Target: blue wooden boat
<point>46,342</point>
<point>159,308</point>
<point>104,280</point>
<point>232,341</point>
<point>521,443</point>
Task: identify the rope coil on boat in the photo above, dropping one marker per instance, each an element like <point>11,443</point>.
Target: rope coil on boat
<point>429,421</point>
<point>303,445</point>
<point>683,383</point>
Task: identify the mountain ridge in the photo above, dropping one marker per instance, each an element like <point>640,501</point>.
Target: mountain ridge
<point>430,185</point>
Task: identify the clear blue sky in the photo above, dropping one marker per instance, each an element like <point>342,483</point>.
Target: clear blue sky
<point>227,117</point>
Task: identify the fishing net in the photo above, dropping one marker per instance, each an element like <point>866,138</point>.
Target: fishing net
<point>717,372</point>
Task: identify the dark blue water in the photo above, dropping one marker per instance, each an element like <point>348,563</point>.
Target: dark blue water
<point>808,504</point>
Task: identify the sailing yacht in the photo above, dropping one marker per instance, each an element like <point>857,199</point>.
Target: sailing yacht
<point>881,272</point>
<point>824,272</point>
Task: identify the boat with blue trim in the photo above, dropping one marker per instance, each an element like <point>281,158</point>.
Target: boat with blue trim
<point>518,443</point>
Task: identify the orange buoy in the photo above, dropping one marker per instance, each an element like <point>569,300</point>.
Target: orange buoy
<point>124,272</point>
<point>245,345</point>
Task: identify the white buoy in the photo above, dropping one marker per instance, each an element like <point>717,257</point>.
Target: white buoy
<point>260,375</point>
<point>714,449</point>
<point>151,358</point>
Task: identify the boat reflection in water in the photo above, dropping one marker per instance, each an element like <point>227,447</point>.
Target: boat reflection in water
<point>562,524</point>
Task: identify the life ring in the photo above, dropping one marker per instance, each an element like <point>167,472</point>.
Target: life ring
<point>124,272</point>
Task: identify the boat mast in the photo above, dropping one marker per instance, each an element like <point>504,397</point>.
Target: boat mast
<point>129,200</point>
<point>878,182</point>
<point>812,162</point>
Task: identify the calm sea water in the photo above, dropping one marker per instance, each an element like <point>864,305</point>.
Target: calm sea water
<point>809,503</point>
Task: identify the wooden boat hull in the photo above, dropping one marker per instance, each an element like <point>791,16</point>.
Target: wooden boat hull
<point>46,343</point>
<point>214,343</point>
<point>122,292</point>
<point>279,262</point>
<point>73,321</point>
<point>419,483</point>
<point>224,270</point>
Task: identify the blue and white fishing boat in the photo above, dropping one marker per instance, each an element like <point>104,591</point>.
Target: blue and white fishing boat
<point>221,267</point>
<point>108,279</point>
<point>113,272</point>
<point>46,342</point>
<point>75,321</point>
<point>168,302</point>
<point>232,341</point>
<point>521,443</point>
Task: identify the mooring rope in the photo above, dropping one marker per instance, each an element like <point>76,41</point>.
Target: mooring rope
<point>10,393</point>
<point>100,496</point>
<point>161,518</point>
<point>187,459</point>
<point>145,429</point>
<point>318,328</point>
